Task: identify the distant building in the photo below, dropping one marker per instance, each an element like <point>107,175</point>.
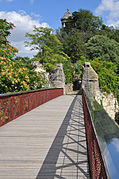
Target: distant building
<point>65,18</point>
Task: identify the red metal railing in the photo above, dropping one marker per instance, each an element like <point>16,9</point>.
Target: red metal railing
<point>16,104</point>
<point>96,163</point>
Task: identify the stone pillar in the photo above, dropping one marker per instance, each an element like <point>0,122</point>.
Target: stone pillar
<point>57,78</point>
<point>90,82</point>
<point>90,85</point>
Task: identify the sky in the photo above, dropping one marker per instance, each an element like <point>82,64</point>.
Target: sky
<point>24,14</point>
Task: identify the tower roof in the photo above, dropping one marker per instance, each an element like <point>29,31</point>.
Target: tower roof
<point>66,15</point>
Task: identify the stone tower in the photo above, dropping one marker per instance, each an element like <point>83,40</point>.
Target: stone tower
<point>65,18</point>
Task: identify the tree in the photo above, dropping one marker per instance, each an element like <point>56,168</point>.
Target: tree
<point>26,61</point>
<point>85,22</point>
<point>86,35</point>
<point>4,30</point>
<point>69,71</point>
<point>80,27</point>
<point>50,49</point>
<point>110,32</point>
<point>104,48</point>
<point>14,74</point>
<point>73,44</point>
<point>36,80</point>
<point>73,71</point>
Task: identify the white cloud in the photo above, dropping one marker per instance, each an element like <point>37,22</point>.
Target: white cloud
<point>110,10</point>
<point>23,23</point>
<point>35,15</point>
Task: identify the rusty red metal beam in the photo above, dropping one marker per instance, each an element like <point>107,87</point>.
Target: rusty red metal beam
<point>16,104</point>
<point>96,164</point>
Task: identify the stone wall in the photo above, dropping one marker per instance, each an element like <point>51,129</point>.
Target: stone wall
<point>90,85</point>
<point>68,88</point>
<point>109,102</point>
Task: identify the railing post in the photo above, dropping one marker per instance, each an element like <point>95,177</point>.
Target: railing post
<point>12,107</point>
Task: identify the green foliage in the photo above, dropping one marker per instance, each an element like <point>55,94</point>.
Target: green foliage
<point>85,35</point>
<point>110,32</point>
<point>73,44</point>
<point>79,65</point>
<point>85,22</point>
<point>79,28</point>
<point>108,76</point>
<point>73,71</point>
<point>4,30</point>
<point>68,71</point>
<point>102,47</point>
<point>49,47</point>
<point>26,61</point>
<point>33,79</point>
<point>15,74</point>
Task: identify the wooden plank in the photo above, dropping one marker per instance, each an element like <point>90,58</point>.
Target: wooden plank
<point>45,137</point>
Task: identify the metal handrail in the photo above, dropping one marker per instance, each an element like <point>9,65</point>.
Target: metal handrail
<point>97,166</point>
<point>24,92</point>
<point>14,105</point>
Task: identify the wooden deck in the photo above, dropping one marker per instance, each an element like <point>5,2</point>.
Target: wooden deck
<point>46,143</point>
